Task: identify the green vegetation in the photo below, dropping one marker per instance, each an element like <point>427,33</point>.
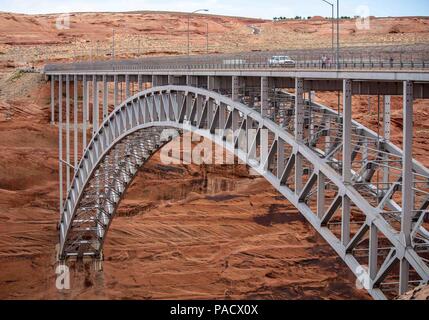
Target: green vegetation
<point>286,18</point>
<point>16,75</point>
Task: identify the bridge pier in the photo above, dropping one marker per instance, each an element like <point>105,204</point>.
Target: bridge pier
<point>105,97</point>
<point>115,90</point>
<point>386,136</point>
<point>95,105</point>
<point>127,86</point>
<point>67,132</point>
<point>299,131</point>
<point>347,160</point>
<point>235,88</point>
<point>60,140</point>
<point>84,112</point>
<point>264,96</point>
<point>52,100</point>
<point>75,121</point>
<point>407,183</point>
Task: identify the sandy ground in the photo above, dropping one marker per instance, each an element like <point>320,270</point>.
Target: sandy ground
<point>183,231</point>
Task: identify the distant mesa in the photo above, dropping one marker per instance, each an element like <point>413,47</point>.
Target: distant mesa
<point>317,18</point>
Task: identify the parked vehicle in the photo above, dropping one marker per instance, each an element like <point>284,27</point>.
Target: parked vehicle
<point>281,61</point>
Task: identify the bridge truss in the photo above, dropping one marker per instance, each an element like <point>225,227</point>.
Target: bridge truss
<point>367,198</point>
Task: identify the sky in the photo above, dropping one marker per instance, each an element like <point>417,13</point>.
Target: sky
<point>266,9</point>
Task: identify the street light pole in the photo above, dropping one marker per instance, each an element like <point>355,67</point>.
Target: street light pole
<point>338,34</point>
<point>333,27</point>
<point>113,44</point>
<point>207,35</point>
<point>189,25</point>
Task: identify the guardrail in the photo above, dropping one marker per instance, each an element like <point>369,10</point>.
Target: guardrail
<point>312,60</point>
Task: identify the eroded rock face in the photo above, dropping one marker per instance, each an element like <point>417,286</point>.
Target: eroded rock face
<point>420,293</point>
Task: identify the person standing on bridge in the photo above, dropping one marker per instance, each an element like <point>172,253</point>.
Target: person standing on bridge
<point>324,58</point>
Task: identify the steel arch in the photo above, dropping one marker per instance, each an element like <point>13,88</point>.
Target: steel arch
<point>132,132</point>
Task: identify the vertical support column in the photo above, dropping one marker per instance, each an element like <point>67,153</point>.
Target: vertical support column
<point>88,109</point>
<point>280,157</point>
<point>210,83</point>
<point>95,105</point>
<point>67,132</point>
<point>386,129</point>
<point>321,195</point>
<point>373,251</point>
<point>52,99</point>
<point>127,86</point>
<point>387,117</point>
<point>347,131</point>
<point>310,101</point>
<point>299,131</point>
<point>407,182</point>
<point>60,139</point>
<point>75,120</point>
<point>105,97</point>
<point>264,96</point>
<point>115,90</point>
<point>84,112</point>
<point>235,88</point>
<point>328,133</point>
<point>140,81</point>
<point>170,79</point>
<point>347,158</point>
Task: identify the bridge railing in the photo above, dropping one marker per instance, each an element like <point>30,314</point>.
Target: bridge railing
<point>392,60</point>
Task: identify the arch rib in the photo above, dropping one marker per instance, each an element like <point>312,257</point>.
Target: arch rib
<point>135,130</point>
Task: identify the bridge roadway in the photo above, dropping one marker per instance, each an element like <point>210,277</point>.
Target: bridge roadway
<point>365,196</point>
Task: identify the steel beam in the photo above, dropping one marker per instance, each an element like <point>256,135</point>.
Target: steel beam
<point>67,131</point>
<point>264,96</point>
<point>387,117</point>
<point>347,159</point>
<point>52,99</point>
<point>115,90</point>
<point>105,97</point>
<point>75,121</point>
<point>373,251</point>
<point>299,131</point>
<point>235,88</point>
<point>127,86</point>
<point>95,106</point>
<point>407,183</point>
<point>321,181</point>
<point>386,136</point>
<point>60,139</point>
<point>347,131</point>
<point>407,166</point>
<point>84,112</point>
<point>140,82</point>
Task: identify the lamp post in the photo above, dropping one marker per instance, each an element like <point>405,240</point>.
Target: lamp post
<point>333,27</point>
<point>207,38</point>
<point>189,24</point>
<point>113,44</point>
<point>338,34</point>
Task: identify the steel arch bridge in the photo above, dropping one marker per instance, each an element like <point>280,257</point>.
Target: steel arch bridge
<point>302,153</point>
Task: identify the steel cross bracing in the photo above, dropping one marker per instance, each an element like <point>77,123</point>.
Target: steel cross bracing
<point>349,186</point>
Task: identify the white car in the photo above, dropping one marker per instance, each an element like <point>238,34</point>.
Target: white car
<point>283,61</point>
